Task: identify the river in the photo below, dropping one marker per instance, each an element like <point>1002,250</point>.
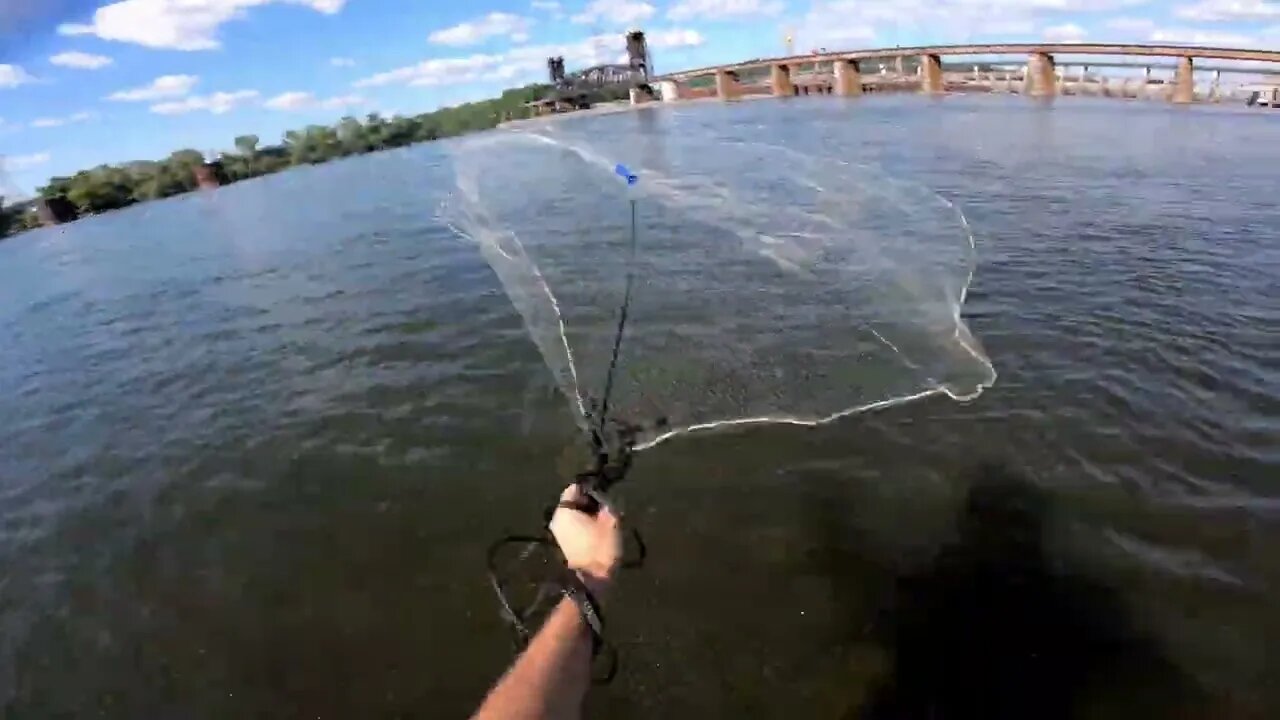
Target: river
<point>254,442</point>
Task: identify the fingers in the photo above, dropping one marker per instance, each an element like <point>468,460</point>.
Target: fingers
<point>573,497</point>
<point>607,516</point>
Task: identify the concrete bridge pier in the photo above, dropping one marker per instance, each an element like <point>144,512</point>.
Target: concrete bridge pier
<point>931,74</point>
<point>898,67</point>
<point>1146,83</point>
<point>669,90</point>
<point>780,81</point>
<point>1215,90</point>
<point>848,78</point>
<point>1041,75</point>
<point>1184,83</point>
<point>638,96</point>
<point>727,87</point>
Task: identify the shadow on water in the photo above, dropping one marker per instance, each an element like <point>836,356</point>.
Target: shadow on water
<point>992,627</point>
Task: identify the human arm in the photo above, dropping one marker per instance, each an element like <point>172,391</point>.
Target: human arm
<point>550,678</point>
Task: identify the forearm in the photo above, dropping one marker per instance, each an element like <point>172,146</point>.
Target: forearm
<point>550,678</point>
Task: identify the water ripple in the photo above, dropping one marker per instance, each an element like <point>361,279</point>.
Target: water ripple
<point>274,442</point>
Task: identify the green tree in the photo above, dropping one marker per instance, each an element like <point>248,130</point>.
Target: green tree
<point>16,218</point>
<point>352,137</point>
<point>57,187</point>
<point>375,128</point>
<point>156,180</point>
<point>109,187</point>
<point>315,144</point>
<point>247,145</point>
<point>8,219</point>
<point>101,189</point>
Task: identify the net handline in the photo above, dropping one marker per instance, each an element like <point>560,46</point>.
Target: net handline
<point>622,326</point>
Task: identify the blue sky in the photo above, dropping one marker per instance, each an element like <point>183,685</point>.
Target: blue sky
<point>84,82</point>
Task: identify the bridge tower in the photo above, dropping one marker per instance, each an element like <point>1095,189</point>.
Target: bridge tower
<point>555,69</point>
<point>638,54</point>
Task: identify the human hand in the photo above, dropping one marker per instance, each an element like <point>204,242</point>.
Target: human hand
<point>592,544</point>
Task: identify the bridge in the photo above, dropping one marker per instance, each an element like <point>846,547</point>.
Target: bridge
<point>570,91</point>
<point>603,75</point>
<point>1040,76</point>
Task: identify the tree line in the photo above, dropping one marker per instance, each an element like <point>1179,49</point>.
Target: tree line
<point>111,187</point>
<point>14,219</point>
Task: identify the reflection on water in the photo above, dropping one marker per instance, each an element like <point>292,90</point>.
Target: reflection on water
<point>253,445</point>
<point>994,627</point>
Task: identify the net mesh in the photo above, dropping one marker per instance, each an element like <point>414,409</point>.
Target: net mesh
<point>770,285</point>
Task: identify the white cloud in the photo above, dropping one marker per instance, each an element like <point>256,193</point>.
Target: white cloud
<point>1131,25</point>
<point>614,12</point>
<point>1229,11</point>
<point>1068,6</point>
<point>822,36</point>
<point>291,101</point>
<point>494,24</point>
<point>217,103</point>
<point>165,86</point>
<point>723,9</point>
<point>1147,30</point>
<point>50,122</point>
<point>296,100</point>
<point>1196,36</point>
<point>342,62</point>
<point>849,24</point>
<point>1020,26</point>
<point>524,62</point>
<point>81,60</point>
<point>1067,32</point>
<point>12,76</point>
<point>673,38</point>
<point>26,162</point>
<point>176,24</point>
<point>550,7</point>
<point>816,31</point>
<point>437,71</point>
<point>343,101</point>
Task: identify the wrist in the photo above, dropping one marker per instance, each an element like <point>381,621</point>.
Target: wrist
<point>596,582</point>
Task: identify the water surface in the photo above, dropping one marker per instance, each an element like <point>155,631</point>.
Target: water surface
<point>253,444</point>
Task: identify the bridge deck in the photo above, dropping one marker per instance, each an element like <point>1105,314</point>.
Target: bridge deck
<point>1178,51</point>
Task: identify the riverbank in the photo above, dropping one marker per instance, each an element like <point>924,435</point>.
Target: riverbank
<point>108,188</point>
